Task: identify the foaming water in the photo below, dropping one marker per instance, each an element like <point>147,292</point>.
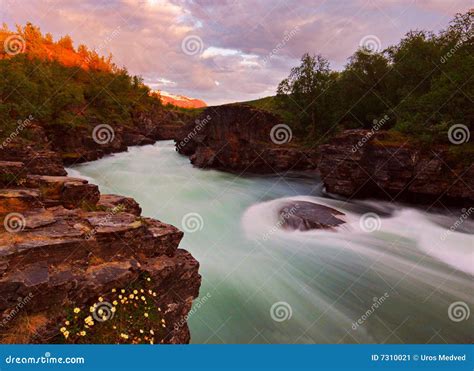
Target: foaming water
<point>263,284</point>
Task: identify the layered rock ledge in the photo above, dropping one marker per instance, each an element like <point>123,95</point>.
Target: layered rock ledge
<point>365,164</point>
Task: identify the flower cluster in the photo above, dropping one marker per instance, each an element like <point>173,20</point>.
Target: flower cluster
<point>127,315</point>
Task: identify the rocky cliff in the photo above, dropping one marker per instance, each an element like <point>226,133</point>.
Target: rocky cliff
<point>63,245</point>
<point>243,139</point>
<point>91,142</point>
<point>359,163</point>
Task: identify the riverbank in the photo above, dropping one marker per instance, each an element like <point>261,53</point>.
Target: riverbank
<point>65,246</point>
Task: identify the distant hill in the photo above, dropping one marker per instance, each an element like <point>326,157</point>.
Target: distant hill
<point>180,100</point>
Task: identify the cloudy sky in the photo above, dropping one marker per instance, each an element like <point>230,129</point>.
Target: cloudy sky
<point>228,50</point>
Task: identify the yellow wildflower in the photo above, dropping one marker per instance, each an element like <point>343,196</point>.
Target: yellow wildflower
<point>66,334</point>
<point>122,291</point>
<point>115,302</point>
<point>125,336</point>
<point>77,310</point>
<point>82,333</point>
<point>146,315</point>
<point>152,332</point>
<point>101,299</point>
<point>113,309</point>
<point>114,290</point>
<point>148,279</point>
<point>135,292</point>
<point>67,323</point>
<point>131,296</point>
<point>62,329</point>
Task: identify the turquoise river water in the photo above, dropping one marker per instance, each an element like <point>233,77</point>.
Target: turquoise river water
<point>391,274</point>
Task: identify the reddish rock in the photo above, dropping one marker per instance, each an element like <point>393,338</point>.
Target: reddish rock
<point>18,200</point>
<point>238,138</point>
<point>11,173</point>
<point>72,257</point>
<point>113,203</point>
<point>358,163</point>
<point>67,191</point>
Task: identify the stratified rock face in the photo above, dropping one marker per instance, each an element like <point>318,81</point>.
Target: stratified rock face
<point>36,155</point>
<point>238,138</point>
<point>357,163</point>
<point>304,215</point>
<point>63,245</point>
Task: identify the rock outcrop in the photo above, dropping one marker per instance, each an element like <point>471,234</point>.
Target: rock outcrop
<point>95,140</point>
<point>304,215</point>
<point>63,245</point>
<point>242,139</point>
<point>365,164</point>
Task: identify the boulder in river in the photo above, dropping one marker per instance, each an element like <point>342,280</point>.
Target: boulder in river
<point>304,215</point>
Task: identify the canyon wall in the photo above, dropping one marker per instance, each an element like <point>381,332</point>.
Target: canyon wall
<point>359,163</point>
<point>239,138</point>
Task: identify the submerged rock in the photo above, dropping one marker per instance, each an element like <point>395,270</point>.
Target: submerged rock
<point>304,215</point>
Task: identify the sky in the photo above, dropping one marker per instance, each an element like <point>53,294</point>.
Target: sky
<point>228,50</point>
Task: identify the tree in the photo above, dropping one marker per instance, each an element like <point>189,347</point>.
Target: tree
<point>306,94</point>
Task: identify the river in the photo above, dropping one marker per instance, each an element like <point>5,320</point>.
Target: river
<point>391,274</point>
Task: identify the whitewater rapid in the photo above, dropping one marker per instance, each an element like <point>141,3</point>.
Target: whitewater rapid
<point>391,273</point>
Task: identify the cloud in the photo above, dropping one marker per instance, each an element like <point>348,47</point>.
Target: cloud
<point>247,46</point>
